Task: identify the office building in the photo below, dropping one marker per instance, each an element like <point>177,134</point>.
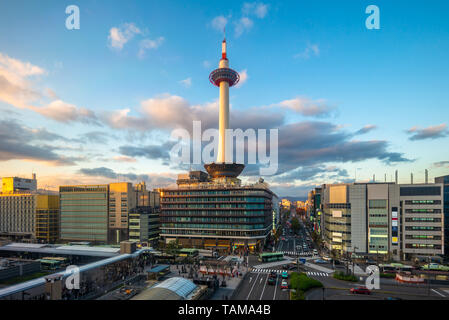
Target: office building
<point>84,213</point>
<point>144,225</point>
<point>445,181</point>
<point>122,199</point>
<point>398,221</point>
<point>18,216</point>
<point>19,185</point>
<point>47,218</point>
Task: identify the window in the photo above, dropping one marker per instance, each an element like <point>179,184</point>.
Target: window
<point>420,191</point>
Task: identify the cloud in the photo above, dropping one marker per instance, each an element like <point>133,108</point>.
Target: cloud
<point>243,78</point>
<point>148,44</point>
<point>219,23</point>
<point>124,159</point>
<point>258,9</point>
<point>16,90</point>
<point>186,82</point>
<point>305,173</point>
<point>95,137</point>
<point>244,24</point>
<point>18,142</point>
<point>310,50</point>
<point>118,37</point>
<point>366,129</point>
<point>313,142</point>
<point>150,151</point>
<point>168,112</point>
<point>153,180</point>
<point>65,112</point>
<point>307,107</point>
<point>432,132</point>
<point>441,164</point>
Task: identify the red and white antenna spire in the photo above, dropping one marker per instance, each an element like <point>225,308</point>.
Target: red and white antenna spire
<point>223,46</point>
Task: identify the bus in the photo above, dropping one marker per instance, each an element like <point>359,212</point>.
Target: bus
<point>271,256</point>
<point>64,261</point>
<point>394,268</point>
<point>50,265</point>
<point>435,267</point>
<point>186,252</point>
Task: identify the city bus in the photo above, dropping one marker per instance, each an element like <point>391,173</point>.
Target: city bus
<point>50,265</point>
<point>64,261</point>
<point>186,252</point>
<point>271,256</point>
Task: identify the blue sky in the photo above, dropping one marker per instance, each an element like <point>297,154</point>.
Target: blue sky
<point>293,56</point>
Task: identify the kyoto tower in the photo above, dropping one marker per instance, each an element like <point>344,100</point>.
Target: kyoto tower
<point>223,77</point>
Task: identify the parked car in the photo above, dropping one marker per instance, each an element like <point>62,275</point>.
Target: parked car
<point>360,290</point>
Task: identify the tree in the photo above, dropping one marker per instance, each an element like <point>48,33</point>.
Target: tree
<point>173,247</point>
<point>295,224</point>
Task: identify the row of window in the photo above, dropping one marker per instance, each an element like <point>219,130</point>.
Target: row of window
<point>422,246</point>
<point>212,226</point>
<point>422,219</point>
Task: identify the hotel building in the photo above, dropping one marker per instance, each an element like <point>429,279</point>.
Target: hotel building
<point>202,213</point>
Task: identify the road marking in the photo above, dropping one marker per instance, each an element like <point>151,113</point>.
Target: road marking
<point>438,293</point>
<point>247,298</point>
<point>263,290</point>
<point>275,287</point>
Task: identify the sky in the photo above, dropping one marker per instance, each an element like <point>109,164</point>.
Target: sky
<point>98,104</point>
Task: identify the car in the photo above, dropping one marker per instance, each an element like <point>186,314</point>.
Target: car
<point>284,284</point>
<point>284,275</point>
<point>273,274</point>
<point>320,261</point>
<point>360,290</point>
<point>271,281</point>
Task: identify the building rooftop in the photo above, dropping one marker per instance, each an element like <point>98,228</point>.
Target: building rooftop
<point>176,288</point>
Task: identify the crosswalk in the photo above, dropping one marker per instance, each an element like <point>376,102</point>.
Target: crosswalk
<point>296,253</point>
<point>310,273</point>
<point>256,270</point>
<point>318,274</point>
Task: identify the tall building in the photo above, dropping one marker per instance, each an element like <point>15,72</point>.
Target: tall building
<point>29,216</point>
<point>47,218</point>
<point>218,216</point>
<point>122,199</point>
<point>84,213</point>
<point>18,216</point>
<point>144,224</point>
<point>17,184</point>
<point>445,181</point>
<point>402,221</point>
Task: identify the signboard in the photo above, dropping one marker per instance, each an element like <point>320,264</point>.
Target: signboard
<point>394,225</point>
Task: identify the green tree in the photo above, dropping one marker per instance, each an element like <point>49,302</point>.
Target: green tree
<point>173,247</point>
<point>295,224</point>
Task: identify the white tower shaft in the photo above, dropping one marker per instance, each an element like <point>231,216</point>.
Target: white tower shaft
<point>223,122</point>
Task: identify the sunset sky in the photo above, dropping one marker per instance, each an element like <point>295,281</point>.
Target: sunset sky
<point>97,104</point>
